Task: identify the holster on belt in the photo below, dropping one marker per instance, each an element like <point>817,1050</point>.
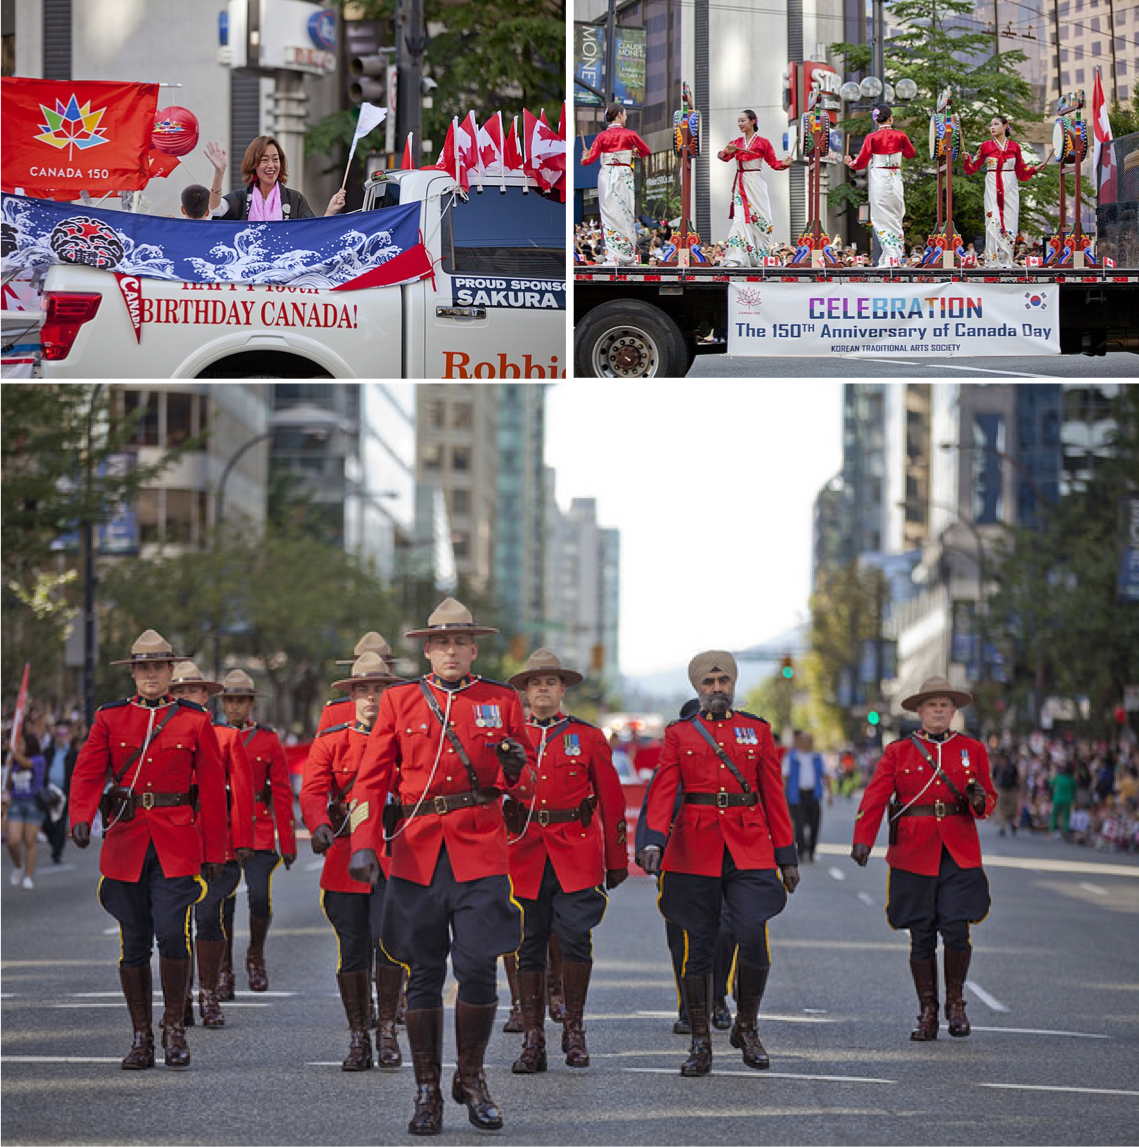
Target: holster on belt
<point>893,815</point>
<point>115,804</point>
<point>390,818</point>
<point>337,815</point>
<point>514,813</point>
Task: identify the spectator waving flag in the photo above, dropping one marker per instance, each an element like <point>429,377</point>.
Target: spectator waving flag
<point>371,117</point>
<point>1105,176</point>
<point>71,136</point>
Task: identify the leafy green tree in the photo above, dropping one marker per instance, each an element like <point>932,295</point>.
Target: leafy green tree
<point>931,48</point>
<point>1125,120</point>
<point>1056,609</point>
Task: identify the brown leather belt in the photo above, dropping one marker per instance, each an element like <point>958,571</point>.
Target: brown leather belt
<point>441,805</point>
<point>160,800</point>
<point>722,800</point>
<point>937,809</point>
<point>265,795</point>
<point>546,816</point>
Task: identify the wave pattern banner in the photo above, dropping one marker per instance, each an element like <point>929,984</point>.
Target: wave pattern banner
<point>342,252</point>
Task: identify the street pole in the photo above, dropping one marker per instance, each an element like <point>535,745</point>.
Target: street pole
<point>879,54</point>
<point>89,571</point>
<point>610,48</point>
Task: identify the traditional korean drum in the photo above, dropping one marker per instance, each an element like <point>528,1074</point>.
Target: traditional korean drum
<point>1070,139</point>
<point>944,136</point>
<point>694,130</point>
<point>822,121</point>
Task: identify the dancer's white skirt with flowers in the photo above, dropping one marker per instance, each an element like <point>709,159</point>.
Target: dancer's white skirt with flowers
<point>615,200</point>
<point>751,236</point>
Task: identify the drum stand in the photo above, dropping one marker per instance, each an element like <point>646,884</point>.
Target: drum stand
<point>944,245</point>
<point>813,241</point>
<point>687,131</point>
<point>1070,249</point>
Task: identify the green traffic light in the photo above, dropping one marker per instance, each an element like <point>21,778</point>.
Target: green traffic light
<point>872,717</point>
<point>788,672</point>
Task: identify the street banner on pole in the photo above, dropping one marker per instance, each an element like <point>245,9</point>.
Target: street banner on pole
<point>888,320</point>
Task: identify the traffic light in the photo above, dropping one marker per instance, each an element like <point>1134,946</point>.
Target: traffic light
<point>787,667</point>
<point>873,717</point>
<point>370,82</point>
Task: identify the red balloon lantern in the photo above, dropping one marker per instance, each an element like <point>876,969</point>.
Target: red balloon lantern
<point>175,131</point>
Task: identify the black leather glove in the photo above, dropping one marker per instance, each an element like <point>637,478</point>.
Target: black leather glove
<point>650,859</point>
<point>615,876</point>
<point>211,872</point>
<point>860,854</point>
<point>364,866</point>
<point>81,834</point>
<point>976,796</point>
<point>322,839</point>
<point>512,758</point>
<point>244,855</point>
<point>790,876</point>
<point>288,858</point>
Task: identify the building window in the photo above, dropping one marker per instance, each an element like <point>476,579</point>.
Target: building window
<point>182,507</point>
<point>148,516</point>
<point>179,417</point>
<point>460,501</point>
<point>460,459</point>
<point>1079,75</point>
<point>431,456</point>
<point>144,405</point>
<point>462,416</point>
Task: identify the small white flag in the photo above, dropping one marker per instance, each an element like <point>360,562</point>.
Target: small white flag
<point>370,117</point>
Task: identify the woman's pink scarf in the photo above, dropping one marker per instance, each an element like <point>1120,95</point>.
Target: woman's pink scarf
<point>265,209</point>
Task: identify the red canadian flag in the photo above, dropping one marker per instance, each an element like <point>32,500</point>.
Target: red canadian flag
<point>545,154</point>
<point>73,136</point>
<point>511,152</point>
<point>1105,176</point>
<point>491,145</point>
<point>467,145</point>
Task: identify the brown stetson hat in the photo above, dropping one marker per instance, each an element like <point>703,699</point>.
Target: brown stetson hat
<point>937,687</point>
<point>371,642</point>
<point>545,663</point>
<point>450,616</point>
<point>187,673</point>
<point>368,667</point>
<point>151,646</point>
<point>238,683</point>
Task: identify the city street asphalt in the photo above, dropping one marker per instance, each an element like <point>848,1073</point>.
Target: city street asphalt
<point>1120,365</point>
<point>1053,996</point>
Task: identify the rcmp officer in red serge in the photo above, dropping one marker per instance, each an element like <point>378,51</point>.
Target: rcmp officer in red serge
<point>273,821</point>
<point>158,847</point>
<point>354,909</point>
<point>732,831</point>
<point>566,842</point>
<point>938,786</point>
<point>342,709</point>
<point>448,745</point>
<point>209,941</point>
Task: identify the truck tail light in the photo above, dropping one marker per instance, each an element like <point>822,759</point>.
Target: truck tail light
<point>66,311</point>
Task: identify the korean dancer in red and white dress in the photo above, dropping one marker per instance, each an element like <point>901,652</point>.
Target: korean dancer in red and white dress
<point>1001,160</point>
<point>883,150</point>
<point>752,225</point>
<point>615,147</point>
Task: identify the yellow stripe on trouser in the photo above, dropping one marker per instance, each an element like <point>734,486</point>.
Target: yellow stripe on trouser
<point>99,897</point>
<point>269,885</point>
<point>339,957</point>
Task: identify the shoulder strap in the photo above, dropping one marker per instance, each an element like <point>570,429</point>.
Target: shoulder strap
<point>694,721</point>
<point>936,766</point>
<point>252,733</point>
<point>149,741</point>
<point>450,734</point>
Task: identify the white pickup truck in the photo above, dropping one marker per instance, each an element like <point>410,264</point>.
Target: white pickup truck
<point>494,308</point>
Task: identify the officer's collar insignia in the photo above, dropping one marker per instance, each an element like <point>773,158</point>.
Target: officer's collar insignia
<point>451,686</point>
<point>726,717</point>
<point>546,722</point>
<point>157,703</point>
<point>746,736</point>
<point>488,717</point>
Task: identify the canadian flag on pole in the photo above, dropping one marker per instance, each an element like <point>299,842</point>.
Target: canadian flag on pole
<point>545,154</point>
<point>491,145</point>
<point>449,158</point>
<point>467,145</point>
<point>1105,176</point>
<point>408,163</point>
<point>511,152</point>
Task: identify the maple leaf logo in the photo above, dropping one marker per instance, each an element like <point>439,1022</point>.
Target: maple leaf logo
<point>748,297</point>
<point>72,126</point>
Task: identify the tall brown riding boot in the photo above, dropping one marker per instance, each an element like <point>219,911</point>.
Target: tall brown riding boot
<point>225,969</point>
<point>956,967</point>
<point>697,993</point>
<point>209,960</point>
<point>514,1021</point>
<point>532,990</point>
<point>751,981</point>
<point>555,991</point>
<point>138,990</point>
<point>255,954</point>
<point>925,980</point>
<point>425,1038</point>
<point>473,1025</point>
<point>356,994</point>
<point>573,1035</point>
<point>173,974</point>
<point>389,980</point>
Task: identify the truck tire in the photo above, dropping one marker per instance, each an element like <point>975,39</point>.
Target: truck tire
<point>629,339</point>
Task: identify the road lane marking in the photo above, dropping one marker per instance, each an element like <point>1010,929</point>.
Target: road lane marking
<point>1087,886</point>
<point>768,1075</point>
<point>1047,1087</point>
<point>946,366</point>
<point>53,870</point>
<point>158,995</point>
<point>313,865</point>
<point>836,874</point>
<point>60,1059</point>
<point>866,899</point>
<point>1040,1031</point>
<point>817,1017</point>
<point>989,1001</point>
<point>119,1003</point>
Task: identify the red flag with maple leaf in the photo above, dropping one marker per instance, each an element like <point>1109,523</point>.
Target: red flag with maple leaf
<point>467,141</point>
<point>491,145</point>
<point>511,151</point>
<point>408,163</point>
<point>545,154</point>
<point>76,135</point>
<point>449,160</point>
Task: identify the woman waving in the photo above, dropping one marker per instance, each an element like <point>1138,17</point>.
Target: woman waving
<point>751,234</point>
<point>618,145</point>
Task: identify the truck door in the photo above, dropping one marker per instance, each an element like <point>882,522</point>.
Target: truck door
<point>499,306</point>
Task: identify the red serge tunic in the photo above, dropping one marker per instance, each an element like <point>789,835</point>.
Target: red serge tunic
<point>759,836</point>
<point>995,160</point>
<point>760,151</point>
<point>330,771</point>
<point>272,790</point>
<point>183,753</point>
<point>407,753</point>
<point>884,141</point>
<point>239,786</point>
<point>574,762</point>
<point>612,139</point>
<point>338,711</point>
<point>903,770</point>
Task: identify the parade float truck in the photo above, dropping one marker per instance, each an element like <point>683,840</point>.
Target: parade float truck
<point>437,284</point>
<point>652,321</point>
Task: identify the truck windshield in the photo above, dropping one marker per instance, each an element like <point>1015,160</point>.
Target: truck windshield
<point>513,234</point>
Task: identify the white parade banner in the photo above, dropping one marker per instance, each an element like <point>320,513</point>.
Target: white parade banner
<point>878,320</point>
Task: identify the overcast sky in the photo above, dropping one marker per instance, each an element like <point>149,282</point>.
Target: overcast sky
<point>712,486</point>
